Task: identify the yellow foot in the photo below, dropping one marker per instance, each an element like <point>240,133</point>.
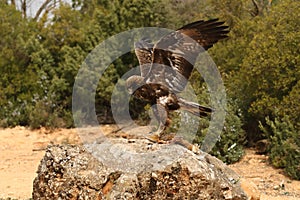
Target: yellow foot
<point>186,144</point>
<point>155,138</point>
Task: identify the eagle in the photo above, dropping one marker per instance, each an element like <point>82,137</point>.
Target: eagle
<point>166,66</point>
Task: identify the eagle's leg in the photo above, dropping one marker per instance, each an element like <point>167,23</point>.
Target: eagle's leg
<point>161,114</point>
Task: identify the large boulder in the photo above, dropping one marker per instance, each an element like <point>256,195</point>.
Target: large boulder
<point>133,168</point>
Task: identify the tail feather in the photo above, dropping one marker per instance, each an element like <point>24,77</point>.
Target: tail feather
<point>194,108</point>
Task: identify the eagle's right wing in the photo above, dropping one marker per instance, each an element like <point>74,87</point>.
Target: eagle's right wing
<point>178,51</point>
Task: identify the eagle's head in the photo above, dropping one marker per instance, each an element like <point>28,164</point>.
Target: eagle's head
<point>134,82</point>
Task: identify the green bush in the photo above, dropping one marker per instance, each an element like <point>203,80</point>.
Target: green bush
<point>230,146</point>
<point>284,147</point>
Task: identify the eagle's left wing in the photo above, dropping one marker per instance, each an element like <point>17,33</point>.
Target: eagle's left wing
<point>144,51</point>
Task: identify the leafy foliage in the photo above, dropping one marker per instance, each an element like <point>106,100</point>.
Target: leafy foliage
<point>285,145</point>
<point>230,146</point>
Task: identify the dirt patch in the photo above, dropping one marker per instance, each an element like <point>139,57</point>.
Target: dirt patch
<point>21,150</point>
<point>270,182</point>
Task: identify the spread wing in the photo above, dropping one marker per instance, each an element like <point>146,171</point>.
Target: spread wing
<point>144,51</point>
<point>178,51</point>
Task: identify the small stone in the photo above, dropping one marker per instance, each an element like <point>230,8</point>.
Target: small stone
<point>154,175</point>
<point>282,186</point>
<point>276,187</point>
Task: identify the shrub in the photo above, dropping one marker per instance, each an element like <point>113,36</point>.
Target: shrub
<point>284,145</point>
<point>229,148</point>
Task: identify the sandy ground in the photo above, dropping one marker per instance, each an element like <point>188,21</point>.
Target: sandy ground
<point>22,149</point>
<point>271,183</point>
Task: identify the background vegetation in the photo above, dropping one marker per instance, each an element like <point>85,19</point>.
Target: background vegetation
<point>40,56</point>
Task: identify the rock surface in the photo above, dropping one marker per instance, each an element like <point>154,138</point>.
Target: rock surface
<point>132,168</point>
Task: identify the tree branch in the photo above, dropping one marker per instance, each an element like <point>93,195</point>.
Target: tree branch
<point>24,8</point>
<point>41,9</point>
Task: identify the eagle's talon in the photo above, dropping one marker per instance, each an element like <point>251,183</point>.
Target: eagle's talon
<point>156,139</point>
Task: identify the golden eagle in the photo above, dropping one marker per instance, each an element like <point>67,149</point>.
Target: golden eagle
<point>167,65</point>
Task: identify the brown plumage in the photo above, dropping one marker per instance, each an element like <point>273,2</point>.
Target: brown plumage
<point>167,65</point>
